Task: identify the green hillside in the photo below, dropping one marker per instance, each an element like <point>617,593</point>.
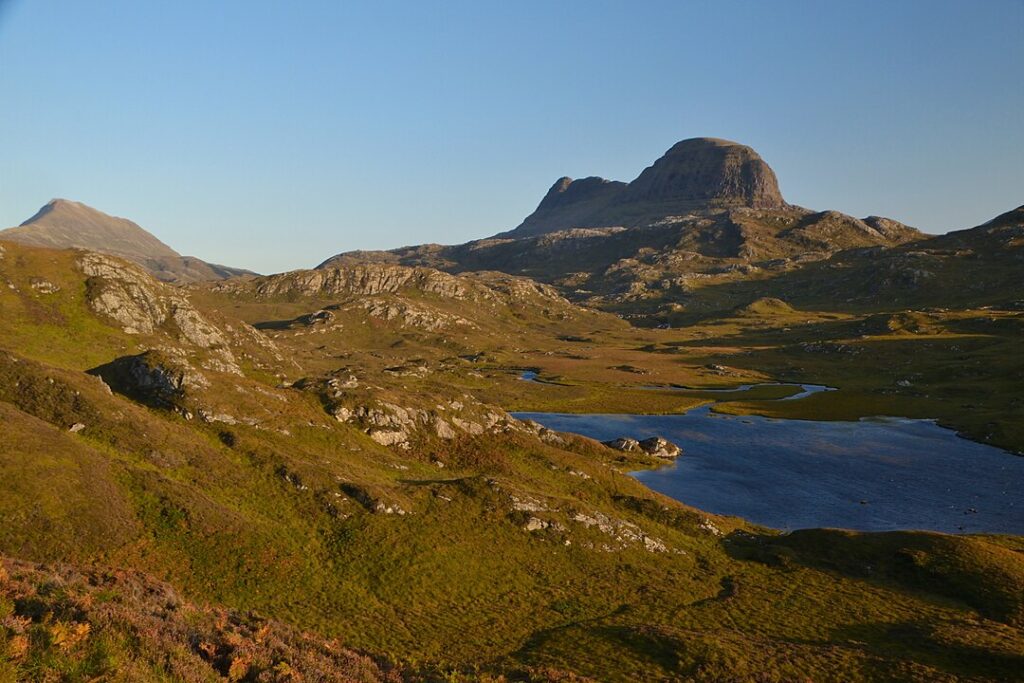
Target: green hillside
<point>328,460</point>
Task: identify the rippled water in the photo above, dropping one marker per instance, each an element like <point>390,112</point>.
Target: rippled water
<point>876,474</point>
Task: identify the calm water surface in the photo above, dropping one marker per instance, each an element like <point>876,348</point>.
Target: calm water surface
<point>874,475</point>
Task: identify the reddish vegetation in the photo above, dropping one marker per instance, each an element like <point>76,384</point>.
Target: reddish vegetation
<point>95,623</point>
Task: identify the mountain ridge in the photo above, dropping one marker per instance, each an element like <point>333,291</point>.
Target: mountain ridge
<point>707,208</point>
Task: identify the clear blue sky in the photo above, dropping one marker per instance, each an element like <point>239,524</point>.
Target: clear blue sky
<point>271,135</point>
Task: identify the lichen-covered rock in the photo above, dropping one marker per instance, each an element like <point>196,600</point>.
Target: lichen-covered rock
<point>444,430</point>
<point>140,305</point>
<point>123,293</point>
<point>43,286</point>
<point>536,524</point>
<point>390,437</point>
<point>391,424</point>
<point>623,532</point>
<point>656,446</point>
<point>411,315</point>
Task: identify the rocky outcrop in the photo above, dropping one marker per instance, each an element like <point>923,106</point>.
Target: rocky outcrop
<point>411,315</point>
<point>124,294</point>
<point>624,444</point>
<point>655,446</point>
<point>660,448</point>
<point>367,279</point>
<point>390,423</point>
<point>892,230</point>
<point>140,305</point>
<point>622,532</point>
<point>405,296</point>
<point>832,230</point>
<point>155,378</point>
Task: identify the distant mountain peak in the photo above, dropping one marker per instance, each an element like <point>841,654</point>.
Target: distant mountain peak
<point>67,224</point>
<point>63,223</point>
<point>693,175</point>
<point>57,204</point>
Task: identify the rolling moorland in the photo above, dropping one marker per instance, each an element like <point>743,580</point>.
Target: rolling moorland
<point>314,475</point>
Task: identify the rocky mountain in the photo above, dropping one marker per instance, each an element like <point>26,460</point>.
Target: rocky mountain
<point>708,210</point>
<point>695,174</point>
<point>64,224</point>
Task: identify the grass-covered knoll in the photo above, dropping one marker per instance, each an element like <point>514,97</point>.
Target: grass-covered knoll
<point>981,572</point>
<point>43,299</point>
<point>488,549</point>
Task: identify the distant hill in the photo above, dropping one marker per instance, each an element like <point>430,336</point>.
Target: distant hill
<point>981,266</point>
<point>64,224</point>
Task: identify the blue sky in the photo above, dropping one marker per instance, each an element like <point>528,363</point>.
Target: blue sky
<point>271,135</point>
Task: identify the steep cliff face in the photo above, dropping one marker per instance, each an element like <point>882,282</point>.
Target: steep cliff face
<point>694,175</point>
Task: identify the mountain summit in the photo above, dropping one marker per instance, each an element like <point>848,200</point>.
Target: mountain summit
<point>707,172</point>
<point>65,224</point>
<point>695,174</point>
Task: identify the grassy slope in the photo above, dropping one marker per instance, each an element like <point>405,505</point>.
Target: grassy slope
<point>268,517</point>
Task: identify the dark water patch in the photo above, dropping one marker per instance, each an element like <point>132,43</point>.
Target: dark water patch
<point>874,475</point>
